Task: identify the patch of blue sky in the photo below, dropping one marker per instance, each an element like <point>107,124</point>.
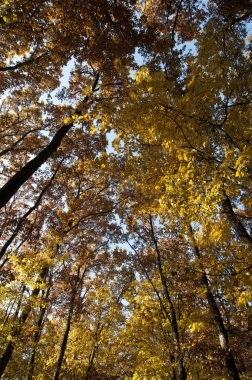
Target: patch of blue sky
<point>64,83</point>
<point>111,135</point>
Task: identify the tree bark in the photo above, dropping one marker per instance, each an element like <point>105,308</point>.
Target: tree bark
<point>65,337</point>
<point>173,319</point>
<point>25,216</point>
<point>90,364</point>
<point>231,368</point>
<point>15,333</point>
<point>92,355</point>
<point>36,338</point>
<point>14,183</point>
<point>228,358</point>
<point>235,222</point>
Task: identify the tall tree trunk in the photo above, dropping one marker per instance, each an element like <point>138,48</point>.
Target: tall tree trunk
<point>25,216</point>
<point>15,333</point>
<point>14,183</point>
<point>99,329</point>
<point>235,222</point>
<point>173,319</point>
<point>228,357</point>
<point>65,337</point>
<point>36,337</point>
<point>90,364</point>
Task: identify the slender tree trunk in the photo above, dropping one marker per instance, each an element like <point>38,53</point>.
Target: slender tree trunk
<point>36,338</point>
<point>9,309</point>
<point>228,357</point>
<point>174,376</point>
<point>65,338</point>
<point>173,319</point>
<point>15,333</point>
<point>23,63</point>
<point>235,222</point>
<point>25,216</point>
<point>90,364</point>
<point>232,370</point>
<point>99,329</point>
<point>14,183</point>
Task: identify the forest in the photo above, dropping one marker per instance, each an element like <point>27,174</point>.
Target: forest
<point>125,190</point>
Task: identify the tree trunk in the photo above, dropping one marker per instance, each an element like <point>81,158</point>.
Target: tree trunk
<point>173,319</point>
<point>65,338</point>
<point>14,183</point>
<point>232,370</point>
<point>36,338</point>
<point>25,216</point>
<point>235,222</point>
<point>15,333</point>
<point>99,328</point>
<point>90,364</point>
<point>228,358</point>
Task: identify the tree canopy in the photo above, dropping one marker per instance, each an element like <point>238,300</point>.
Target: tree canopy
<point>125,199</point>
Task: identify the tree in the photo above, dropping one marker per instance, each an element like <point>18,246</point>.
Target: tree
<point>131,258</point>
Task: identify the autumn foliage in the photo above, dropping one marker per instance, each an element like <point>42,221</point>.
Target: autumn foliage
<point>125,199</point>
